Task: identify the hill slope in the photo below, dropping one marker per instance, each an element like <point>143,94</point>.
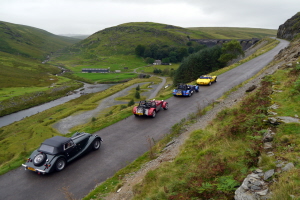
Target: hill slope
<point>290,28</point>
<point>29,41</point>
<point>236,33</point>
<point>103,46</point>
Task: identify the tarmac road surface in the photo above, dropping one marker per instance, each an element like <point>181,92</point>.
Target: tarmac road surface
<point>123,142</point>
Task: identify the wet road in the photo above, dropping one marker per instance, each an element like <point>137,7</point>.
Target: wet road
<point>123,142</point>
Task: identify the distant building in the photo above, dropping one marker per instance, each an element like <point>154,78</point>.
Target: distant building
<point>94,70</point>
<point>117,71</point>
<point>157,62</point>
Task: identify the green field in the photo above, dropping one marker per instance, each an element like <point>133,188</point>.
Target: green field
<point>235,32</point>
<point>107,77</point>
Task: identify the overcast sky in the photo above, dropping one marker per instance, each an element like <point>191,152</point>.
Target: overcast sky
<point>90,16</point>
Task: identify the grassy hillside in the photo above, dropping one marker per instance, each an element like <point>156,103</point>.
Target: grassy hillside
<point>24,80</point>
<point>29,41</point>
<point>114,47</point>
<point>214,161</point>
<point>18,71</point>
<point>235,33</point>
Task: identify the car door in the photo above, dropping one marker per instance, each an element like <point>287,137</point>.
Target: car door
<point>70,149</point>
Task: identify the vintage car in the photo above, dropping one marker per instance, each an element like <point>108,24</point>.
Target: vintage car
<point>206,80</point>
<point>149,108</point>
<point>185,90</point>
<point>54,153</point>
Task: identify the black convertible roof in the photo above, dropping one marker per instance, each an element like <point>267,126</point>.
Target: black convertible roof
<point>56,141</point>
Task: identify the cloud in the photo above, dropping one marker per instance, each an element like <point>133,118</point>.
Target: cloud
<point>89,16</point>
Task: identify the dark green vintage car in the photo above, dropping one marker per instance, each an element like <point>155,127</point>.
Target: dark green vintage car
<point>54,153</point>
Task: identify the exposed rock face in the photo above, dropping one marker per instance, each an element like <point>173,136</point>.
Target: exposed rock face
<point>290,28</point>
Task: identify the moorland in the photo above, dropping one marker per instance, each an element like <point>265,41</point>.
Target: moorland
<point>34,62</point>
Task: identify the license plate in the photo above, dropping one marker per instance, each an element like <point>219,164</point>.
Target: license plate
<point>32,169</point>
<point>139,113</point>
<point>178,94</point>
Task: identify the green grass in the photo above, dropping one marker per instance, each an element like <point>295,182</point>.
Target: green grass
<point>19,139</point>
<point>25,72</point>
<point>150,69</point>
<point>114,47</point>
<point>7,93</point>
<point>235,33</point>
<point>187,176</point>
<point>30,42</point>
<point>107,77</point>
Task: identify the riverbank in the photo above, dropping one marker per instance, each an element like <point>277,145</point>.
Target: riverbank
<point>64,125</point>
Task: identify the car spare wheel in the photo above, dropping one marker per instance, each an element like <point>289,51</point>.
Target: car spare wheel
<point>60,164</point>
<point>39,159</point>
<point>96,144</point>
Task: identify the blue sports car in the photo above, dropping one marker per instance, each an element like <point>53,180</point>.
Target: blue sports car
<point>185,90</point>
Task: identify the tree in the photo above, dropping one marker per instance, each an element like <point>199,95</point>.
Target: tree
<point>138,88</point>
<point>202,62</point>
<point>230,51</point>
<point>173,56</point>
<point>149,60</point>
<point>140,50</point>
<point>181,53</point>
<point>131,102</point>
<point>165,60</point>
<point>147,53</point>
<point>137,95</point>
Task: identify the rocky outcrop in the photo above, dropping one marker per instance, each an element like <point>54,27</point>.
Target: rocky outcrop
<point>290,28</point>
<point>256,185</point>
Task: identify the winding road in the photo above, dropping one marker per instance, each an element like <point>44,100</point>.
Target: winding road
<point>123,142</point>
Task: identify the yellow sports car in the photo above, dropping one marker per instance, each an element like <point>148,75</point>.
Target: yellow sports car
<point>206,80</point>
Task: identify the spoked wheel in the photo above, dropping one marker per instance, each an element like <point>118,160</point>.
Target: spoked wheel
<point>166,107</point>
<point>60,164</point>
<point>154,114</point>
<point>96,144</point>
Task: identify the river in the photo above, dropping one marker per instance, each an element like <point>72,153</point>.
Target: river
<point>87,88</point>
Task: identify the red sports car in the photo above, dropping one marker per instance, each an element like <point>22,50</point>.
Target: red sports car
<point>149,108</point>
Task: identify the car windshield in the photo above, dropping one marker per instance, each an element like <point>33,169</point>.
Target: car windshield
<point>47,148</point>
<point>203,77</point>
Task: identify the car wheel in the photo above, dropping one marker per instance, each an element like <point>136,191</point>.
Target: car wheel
<point>215,80</point>
<point>96,144</point>
<point>39,159</point>
<point>136,115</point>
<point>209,84</point>
<point>60,164</point>
<point>166,107</point>
<point>154,114</point>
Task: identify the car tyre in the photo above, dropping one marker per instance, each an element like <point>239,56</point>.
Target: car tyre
<point>96,144</point>
<point>39,159</point>
<point>154,114</point>
<point>60,164</point>
<point>166,107</point>
<point>209,84</point>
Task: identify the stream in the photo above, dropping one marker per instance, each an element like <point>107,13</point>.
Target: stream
<point>17,116</point>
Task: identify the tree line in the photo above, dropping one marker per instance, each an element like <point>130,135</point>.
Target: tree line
<point>206,61</point>
<point>195,60</point>
<point>166,53</point>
